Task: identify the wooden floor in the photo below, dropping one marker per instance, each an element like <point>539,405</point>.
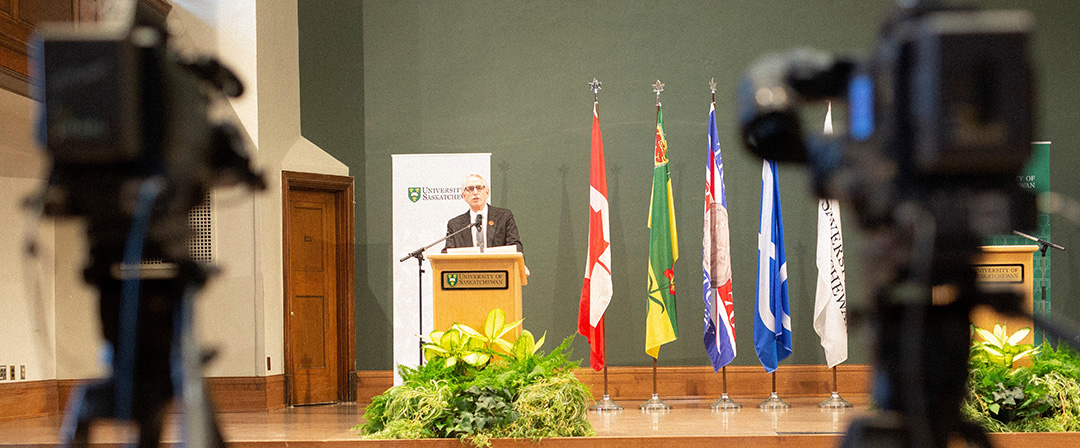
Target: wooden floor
<point>689,424</point>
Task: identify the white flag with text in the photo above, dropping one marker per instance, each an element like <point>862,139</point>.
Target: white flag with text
<point>830,301</point>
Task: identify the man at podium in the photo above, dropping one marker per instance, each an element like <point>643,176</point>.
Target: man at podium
<point>498,228</point>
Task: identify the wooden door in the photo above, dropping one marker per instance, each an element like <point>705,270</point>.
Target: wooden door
<point>312,298</point>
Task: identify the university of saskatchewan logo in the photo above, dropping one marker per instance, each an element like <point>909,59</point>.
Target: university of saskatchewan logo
<point>414,194</point>
<point>451,279</point>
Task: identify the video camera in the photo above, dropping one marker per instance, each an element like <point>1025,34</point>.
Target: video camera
<point>126,124</point>
<point>939,126</point>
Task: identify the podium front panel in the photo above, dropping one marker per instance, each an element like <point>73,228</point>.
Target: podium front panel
<point>1009,268</point>
<point>1000,268</point>
<point>468,286</point>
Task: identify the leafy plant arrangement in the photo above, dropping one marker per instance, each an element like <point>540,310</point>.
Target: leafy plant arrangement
<point>477,385</point>
<point>1044,396</point>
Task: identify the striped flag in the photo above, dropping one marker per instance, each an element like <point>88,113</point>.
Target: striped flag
<point>772,322</point>
<point>660,321</point>
<point>596,291</point>
<point>716,258</point>
<point>830,300</point>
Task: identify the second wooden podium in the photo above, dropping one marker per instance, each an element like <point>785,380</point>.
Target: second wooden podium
<point>998,268</point>
<point>468,286</point>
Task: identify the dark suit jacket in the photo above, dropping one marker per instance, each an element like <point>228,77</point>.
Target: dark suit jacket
<point>501,230</point>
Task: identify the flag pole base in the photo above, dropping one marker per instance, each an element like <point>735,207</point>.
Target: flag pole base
<point>606,404</point>
<point>835,402</point>
<point>773,402</point>
<point>725,403</point>
<point>655,404</point>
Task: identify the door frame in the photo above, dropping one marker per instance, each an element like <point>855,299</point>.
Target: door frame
<point>342,189</point>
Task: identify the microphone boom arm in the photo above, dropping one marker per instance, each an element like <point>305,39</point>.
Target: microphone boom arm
<point>419,253</point>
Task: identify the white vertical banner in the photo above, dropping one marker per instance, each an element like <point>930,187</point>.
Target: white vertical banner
<point>427,193</point>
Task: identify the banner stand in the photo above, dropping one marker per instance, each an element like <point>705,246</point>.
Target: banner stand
<point>774,401</point>
<point>426,192</point>
<point>606,403</point>
<point>654,404</point>
<point>725,403</point>
<point>835,401</point>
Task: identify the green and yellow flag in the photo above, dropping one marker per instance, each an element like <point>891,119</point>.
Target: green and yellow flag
<point>660,322</point>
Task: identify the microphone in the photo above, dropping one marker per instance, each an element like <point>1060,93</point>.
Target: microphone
<point>479,221</point>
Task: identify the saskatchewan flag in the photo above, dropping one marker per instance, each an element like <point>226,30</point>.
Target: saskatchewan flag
<point>660,322</point>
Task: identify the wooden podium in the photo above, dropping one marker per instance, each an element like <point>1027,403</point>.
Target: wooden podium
<point>996,268</point>
<point>467,286</point>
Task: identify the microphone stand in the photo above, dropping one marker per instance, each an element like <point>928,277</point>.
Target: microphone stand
<point>419,255</point>
<point>1043,245</point>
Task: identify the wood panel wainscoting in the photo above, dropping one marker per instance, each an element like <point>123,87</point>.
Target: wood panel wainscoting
<point>28,399</point>
<point>689,382</point>
<point>247,393</point>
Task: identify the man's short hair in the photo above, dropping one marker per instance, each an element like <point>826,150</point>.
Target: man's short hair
<point>482,181</point>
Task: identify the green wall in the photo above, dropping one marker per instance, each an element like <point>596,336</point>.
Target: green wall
<point>509,78</point>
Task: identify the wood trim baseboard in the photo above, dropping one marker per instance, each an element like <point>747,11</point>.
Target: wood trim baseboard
<point>247,393</point>
<point>229,394</point>
<point>688,382</point>
<point>64,389</point>
<point>256,393</point>
<point>699,382</point>
<point>370,383</point>
<point>28,399</point>
<point>275,391</point>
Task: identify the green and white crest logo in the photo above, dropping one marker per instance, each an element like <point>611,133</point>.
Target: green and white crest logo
<point>451,279</point>
<point>414,194</point>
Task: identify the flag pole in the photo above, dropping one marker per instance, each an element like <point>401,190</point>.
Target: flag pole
<point>774,401</point>
<point>606,403</point>
<point>725,403</point>
<point>835,401</point>
<point>654,403</point>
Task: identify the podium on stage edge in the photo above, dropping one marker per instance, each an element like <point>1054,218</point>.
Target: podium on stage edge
<point>998,268</point>
<point>467,286</point>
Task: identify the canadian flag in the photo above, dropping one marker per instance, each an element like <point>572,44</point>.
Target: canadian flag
<point>596,290</point>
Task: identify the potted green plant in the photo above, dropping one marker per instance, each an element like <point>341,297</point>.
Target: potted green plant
<point>479,385</point>
<point>1004,396</point>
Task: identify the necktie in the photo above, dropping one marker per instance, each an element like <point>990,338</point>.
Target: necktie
<point>479,238</point>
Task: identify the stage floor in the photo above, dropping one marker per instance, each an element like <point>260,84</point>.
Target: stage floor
<point>688,424</point>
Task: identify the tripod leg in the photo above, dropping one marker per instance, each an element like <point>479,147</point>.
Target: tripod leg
<point>75,431</point>
<point>200,425</point>
<point>150,428</point>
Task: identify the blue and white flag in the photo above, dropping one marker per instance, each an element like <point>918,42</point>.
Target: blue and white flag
<point>772,322</point>
<point>716,258</point>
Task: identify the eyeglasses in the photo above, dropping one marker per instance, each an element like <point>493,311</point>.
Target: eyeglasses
<point>476,188</point>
